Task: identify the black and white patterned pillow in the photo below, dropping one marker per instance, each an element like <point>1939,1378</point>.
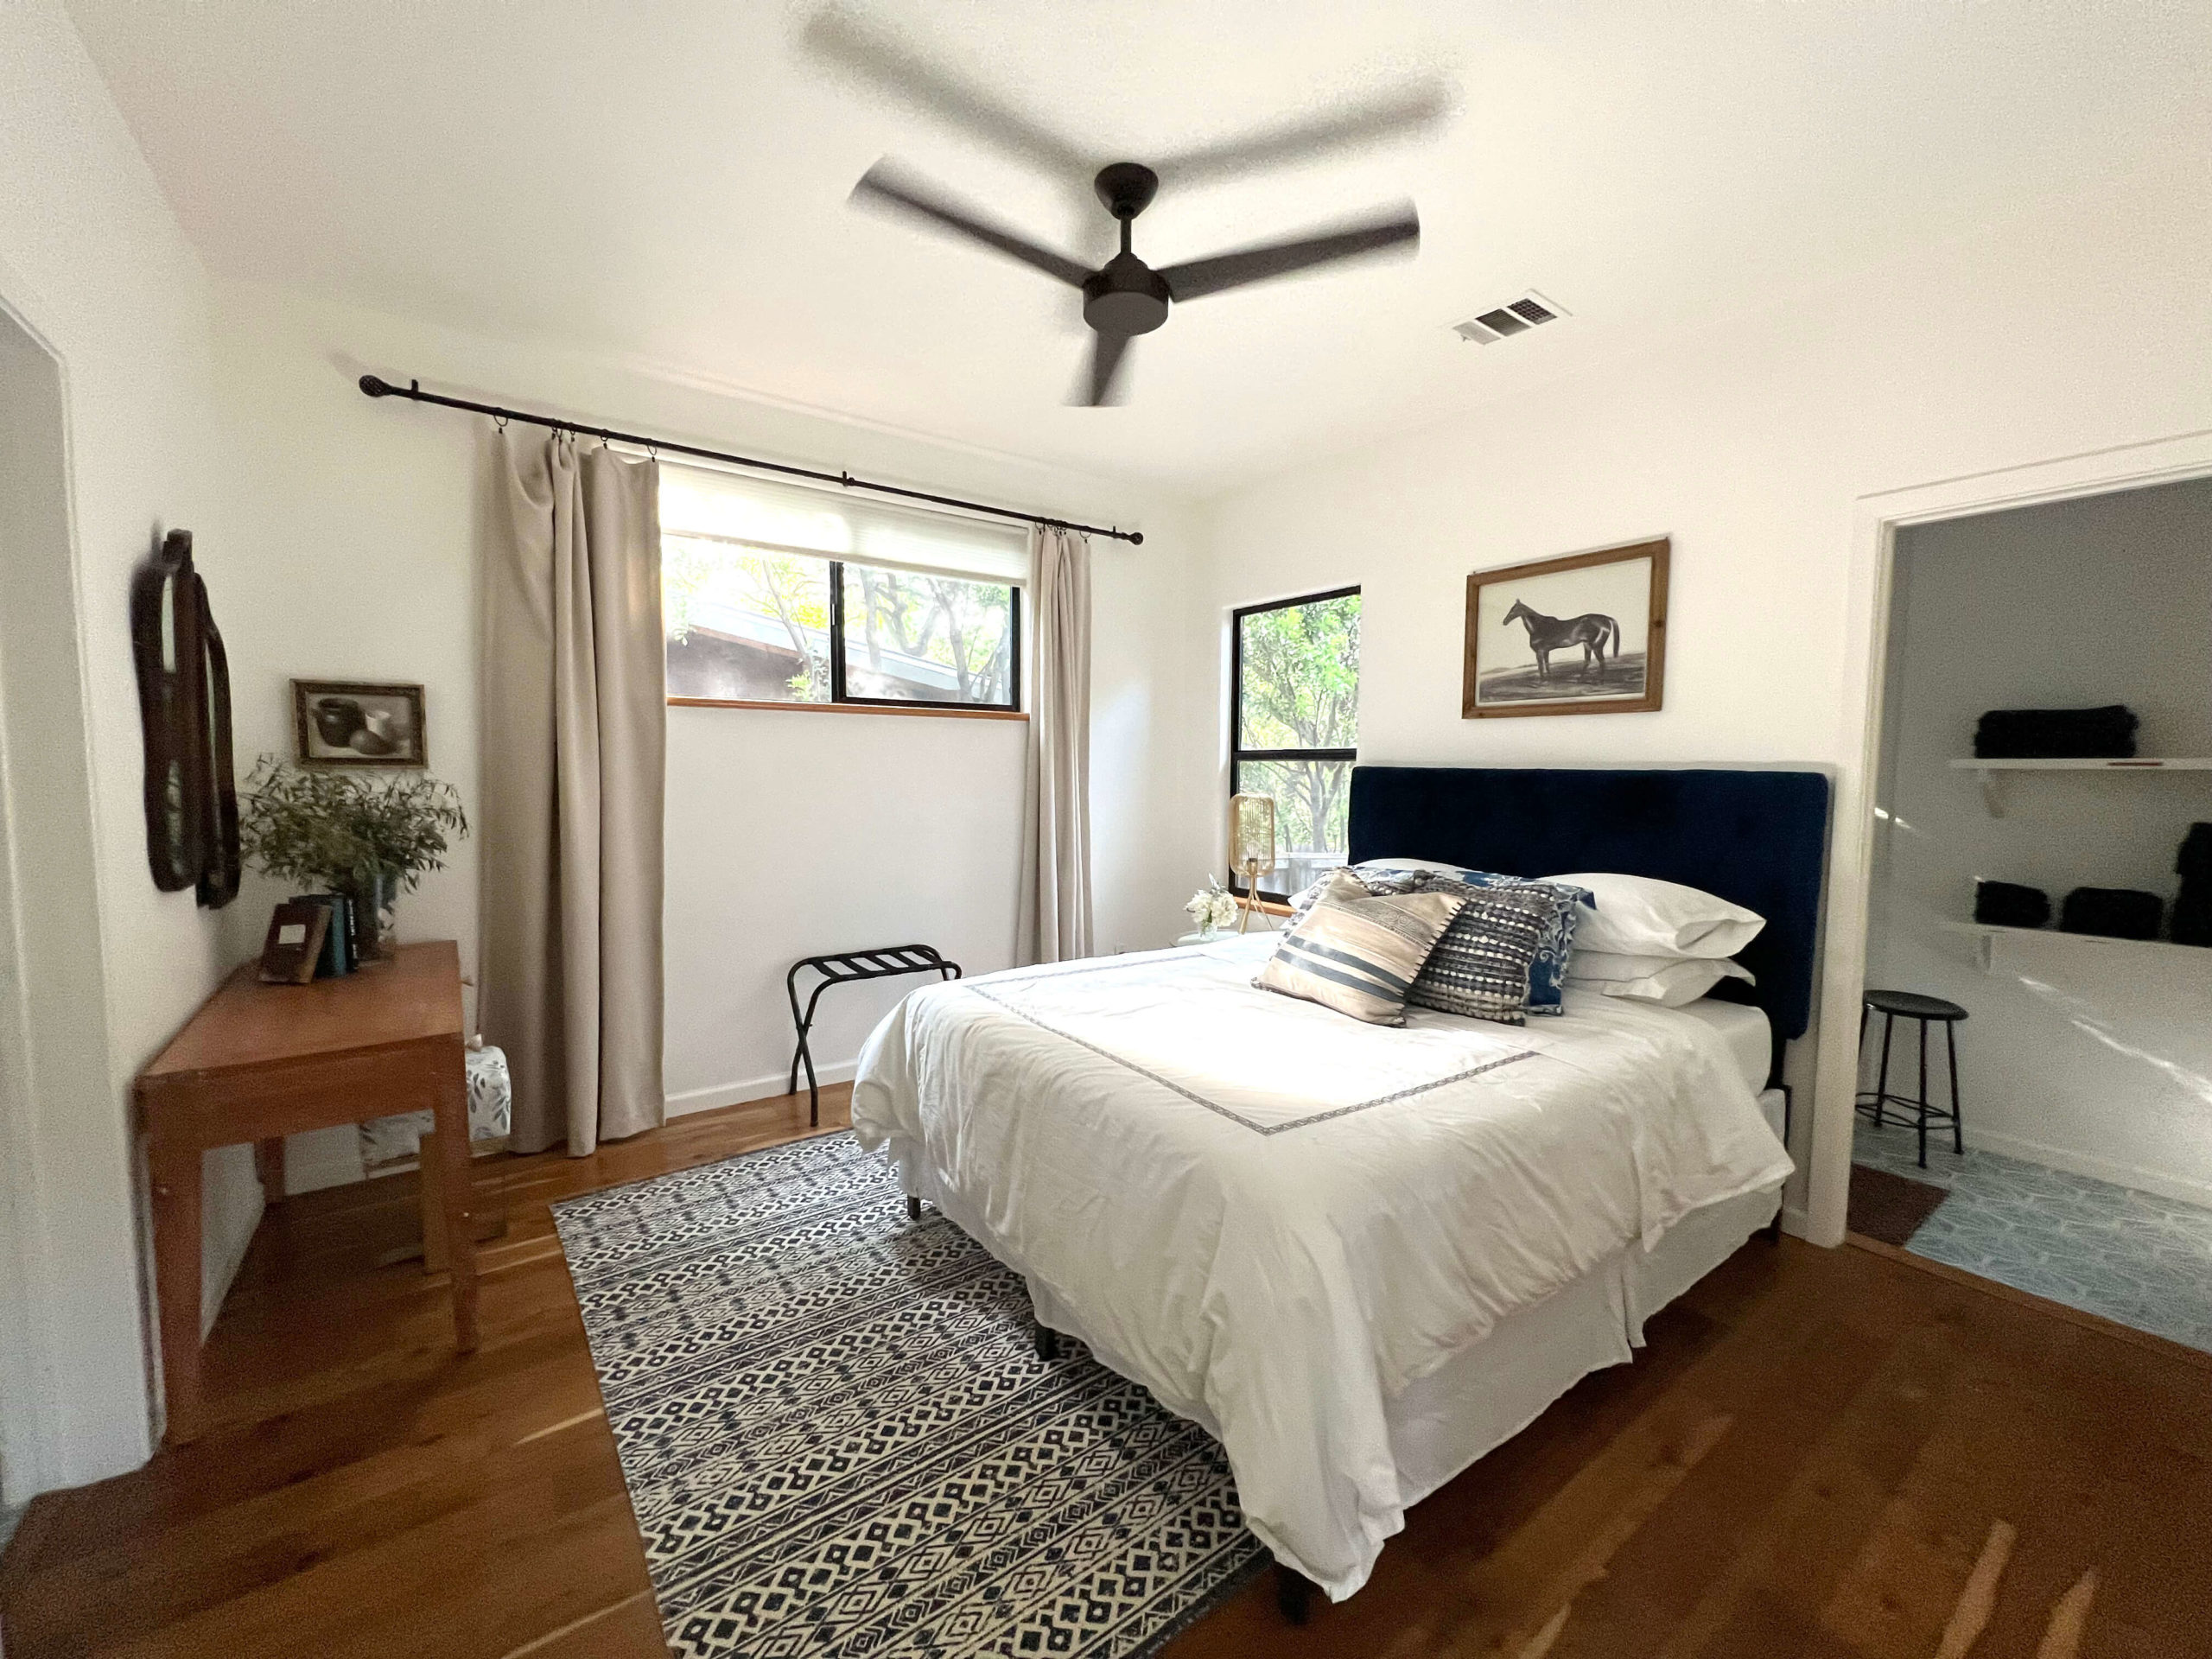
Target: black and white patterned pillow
<point>1547,972</point>
<point>1480,966</point>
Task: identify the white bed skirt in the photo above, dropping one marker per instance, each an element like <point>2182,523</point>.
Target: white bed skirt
<point>1492,1389</point>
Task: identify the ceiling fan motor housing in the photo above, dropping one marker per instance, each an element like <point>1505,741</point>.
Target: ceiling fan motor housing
<point>1127,296</point>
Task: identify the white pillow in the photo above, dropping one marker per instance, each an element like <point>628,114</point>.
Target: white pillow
<point>1615,964</point>
<point>1674,982</point>
<point>1639,916</point>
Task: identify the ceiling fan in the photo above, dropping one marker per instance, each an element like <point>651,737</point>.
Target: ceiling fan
<point>1125,297</point>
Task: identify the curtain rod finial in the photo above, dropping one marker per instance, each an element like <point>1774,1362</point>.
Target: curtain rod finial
<point>374,387</point>
<point>1136,539</point>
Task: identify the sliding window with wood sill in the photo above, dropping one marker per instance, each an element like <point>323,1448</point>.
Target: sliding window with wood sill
<point>778,595</point>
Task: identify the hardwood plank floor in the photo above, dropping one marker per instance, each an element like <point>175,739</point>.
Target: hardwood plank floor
<point>1821,1452</point>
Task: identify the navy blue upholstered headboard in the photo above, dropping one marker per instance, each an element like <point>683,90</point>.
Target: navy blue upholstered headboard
<point>1757,838</point>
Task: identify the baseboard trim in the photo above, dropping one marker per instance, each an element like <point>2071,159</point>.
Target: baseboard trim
<point>2176,1187</point>
<point>737,1094</point>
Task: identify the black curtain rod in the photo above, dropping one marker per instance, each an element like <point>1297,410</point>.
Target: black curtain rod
<point>375,386</point>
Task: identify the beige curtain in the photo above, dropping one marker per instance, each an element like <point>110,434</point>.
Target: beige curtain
<point>574,721</point>
<point>1054,918</point>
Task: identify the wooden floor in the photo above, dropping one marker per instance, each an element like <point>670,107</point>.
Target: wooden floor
<point>1821,1453</point>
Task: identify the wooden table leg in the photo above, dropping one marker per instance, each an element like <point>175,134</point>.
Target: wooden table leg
<point>430,1165</point>
<point>174,1173</point>
<point>456,1191</point>
<point>269,1164</point>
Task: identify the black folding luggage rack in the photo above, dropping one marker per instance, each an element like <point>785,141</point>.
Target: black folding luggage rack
<point>844,968</point>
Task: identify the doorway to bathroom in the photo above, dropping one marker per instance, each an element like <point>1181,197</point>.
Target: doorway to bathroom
<point>2041,907</point>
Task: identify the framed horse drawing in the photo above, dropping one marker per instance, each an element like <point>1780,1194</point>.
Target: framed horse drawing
<point>1582,635</point>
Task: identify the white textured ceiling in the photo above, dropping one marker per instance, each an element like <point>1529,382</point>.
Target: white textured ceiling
<point>667,181</point>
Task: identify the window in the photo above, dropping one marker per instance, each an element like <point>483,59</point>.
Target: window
<point>773,593</point>
<point>1294,712</point>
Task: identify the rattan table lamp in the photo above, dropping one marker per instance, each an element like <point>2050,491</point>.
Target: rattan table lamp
<point>1251,846</point>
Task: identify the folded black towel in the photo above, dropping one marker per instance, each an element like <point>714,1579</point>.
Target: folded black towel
<point>2193,913</point>
<point>2007,904</point>
<point>2116,912</point>
<point>2196,855</point>
<point>2193,905</point>
<point>2106,734</point>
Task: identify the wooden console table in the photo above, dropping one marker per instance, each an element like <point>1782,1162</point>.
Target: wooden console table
<point>260,1062</point>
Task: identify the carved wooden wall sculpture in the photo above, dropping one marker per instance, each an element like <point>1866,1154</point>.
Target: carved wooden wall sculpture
<point>184,703</point>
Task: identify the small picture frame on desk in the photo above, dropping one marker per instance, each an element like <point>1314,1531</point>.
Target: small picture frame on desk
<point>357,723</point>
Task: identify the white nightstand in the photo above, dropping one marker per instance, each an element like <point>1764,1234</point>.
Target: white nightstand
<point>1260,924</point>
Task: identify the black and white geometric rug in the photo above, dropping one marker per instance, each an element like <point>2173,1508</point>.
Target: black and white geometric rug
<point>838,1438</point>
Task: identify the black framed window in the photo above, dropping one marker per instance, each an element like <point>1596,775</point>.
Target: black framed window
<point>768,624</point>
<point>1295,726</point>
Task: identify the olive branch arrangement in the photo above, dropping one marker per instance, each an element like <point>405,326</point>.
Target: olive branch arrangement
<point>341,828</point>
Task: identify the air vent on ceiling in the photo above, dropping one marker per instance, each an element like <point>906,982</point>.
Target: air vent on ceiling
<point>1531,310</point>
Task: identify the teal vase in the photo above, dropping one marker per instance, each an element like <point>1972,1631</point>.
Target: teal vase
<point>373,899</point>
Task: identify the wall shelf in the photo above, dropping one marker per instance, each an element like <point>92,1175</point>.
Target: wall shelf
<point>2143,953</point>
<point>1993,771</point>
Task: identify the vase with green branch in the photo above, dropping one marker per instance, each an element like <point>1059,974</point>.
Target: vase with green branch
<point>369,839</point>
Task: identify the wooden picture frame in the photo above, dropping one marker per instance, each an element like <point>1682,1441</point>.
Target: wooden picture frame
<point>359,723</point>
<point>1602,651</point>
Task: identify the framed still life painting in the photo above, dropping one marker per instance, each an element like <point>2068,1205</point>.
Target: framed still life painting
<point>1581,635</point>
<point>352,723</point>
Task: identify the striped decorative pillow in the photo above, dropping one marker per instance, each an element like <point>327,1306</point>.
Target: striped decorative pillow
<point>1357,953</point>
<point>1480,966</point>
<point>1378,876</point>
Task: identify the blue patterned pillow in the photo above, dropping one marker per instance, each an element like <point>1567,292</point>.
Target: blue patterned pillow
<point>1547,968</point>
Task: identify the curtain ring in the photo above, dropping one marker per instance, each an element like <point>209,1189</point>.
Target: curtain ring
<point>499,420</point>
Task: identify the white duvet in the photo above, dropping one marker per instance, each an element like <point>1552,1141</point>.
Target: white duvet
<point>1276,1217</point>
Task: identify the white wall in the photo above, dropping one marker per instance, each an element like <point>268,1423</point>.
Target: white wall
<point>2097,1060</point>
<point>93,264</point>
<point>2089,324</point>
<point>788,834</point>
<point>791,835</point>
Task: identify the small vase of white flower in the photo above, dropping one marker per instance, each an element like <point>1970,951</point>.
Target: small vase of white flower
<point>1213,908</point>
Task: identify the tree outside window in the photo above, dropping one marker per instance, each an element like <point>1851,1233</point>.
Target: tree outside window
<point>1296,719</point>
<point>760,624</point>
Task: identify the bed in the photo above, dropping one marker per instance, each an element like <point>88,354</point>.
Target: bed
<point>1363,1257</point>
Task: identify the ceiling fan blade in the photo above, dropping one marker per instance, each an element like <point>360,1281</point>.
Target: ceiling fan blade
<point>1412,110</point>
<point>1196,278</point>
<point>886,184</point>
<point>1101,384</point>
<point>835,37</point>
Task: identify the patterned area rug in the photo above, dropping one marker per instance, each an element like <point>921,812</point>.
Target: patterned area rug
<point>838,1436</point>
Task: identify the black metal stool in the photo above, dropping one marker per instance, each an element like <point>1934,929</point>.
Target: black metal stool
<point>844,967</point>
<point>1893,1006</point>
